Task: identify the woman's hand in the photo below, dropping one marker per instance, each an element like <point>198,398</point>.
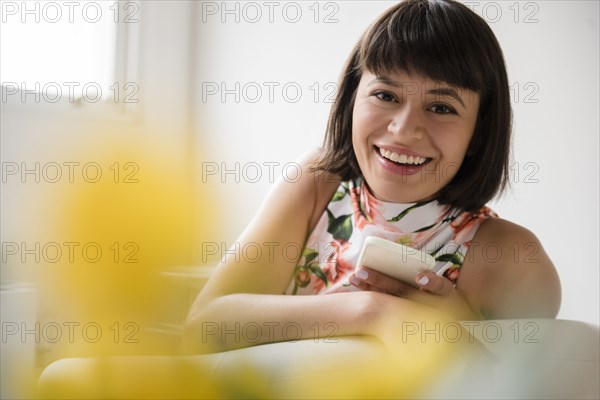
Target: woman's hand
<point>433,290</point>
<point>414,330</point>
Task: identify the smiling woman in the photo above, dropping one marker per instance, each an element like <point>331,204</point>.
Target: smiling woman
<point>551,52</point>
<point>414,150</point>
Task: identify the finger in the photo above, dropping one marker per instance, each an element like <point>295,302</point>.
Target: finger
<point>433,283</point>
<point>384,283</point>
<point>362,285</point>
<point>359,283</point>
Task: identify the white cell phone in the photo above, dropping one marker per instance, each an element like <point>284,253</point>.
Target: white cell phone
<point>394,259</point>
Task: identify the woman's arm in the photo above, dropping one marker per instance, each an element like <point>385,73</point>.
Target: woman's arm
<point>241,320</point>
<point>247,290</point>
<point>507,273</point>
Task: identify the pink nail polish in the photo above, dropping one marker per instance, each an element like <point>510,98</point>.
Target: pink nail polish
<point>361,274</point>
<point>423,281</point>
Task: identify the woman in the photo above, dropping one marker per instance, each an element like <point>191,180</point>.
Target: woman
<point>417,143</point>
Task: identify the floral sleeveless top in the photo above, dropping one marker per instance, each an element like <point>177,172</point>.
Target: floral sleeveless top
<point>331,251</point>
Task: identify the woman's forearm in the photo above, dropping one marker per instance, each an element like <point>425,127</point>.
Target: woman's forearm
<point>242,320</point>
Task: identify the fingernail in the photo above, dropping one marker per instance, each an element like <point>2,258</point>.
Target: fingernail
<point>354,281</point>
<point>362,274</point>
<point>423,281</point>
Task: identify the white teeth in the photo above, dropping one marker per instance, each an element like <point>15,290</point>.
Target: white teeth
<point>402,158</point>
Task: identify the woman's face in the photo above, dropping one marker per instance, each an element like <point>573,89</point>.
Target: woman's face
<point>410,134</point>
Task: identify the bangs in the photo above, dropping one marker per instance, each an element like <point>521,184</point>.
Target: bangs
<point>427,38</point>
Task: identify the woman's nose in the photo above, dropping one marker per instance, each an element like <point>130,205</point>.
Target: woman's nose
<point>407,123</point>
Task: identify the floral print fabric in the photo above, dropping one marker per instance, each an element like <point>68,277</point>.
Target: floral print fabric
<point>331,251</point>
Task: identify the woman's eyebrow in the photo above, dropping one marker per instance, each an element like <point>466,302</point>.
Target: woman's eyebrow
<point>384,80</point>
<point>444,91</point>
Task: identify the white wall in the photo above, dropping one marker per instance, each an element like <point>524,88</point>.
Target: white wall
<point>551,49</point>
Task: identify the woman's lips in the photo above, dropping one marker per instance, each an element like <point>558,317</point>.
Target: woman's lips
<point>399,168</point>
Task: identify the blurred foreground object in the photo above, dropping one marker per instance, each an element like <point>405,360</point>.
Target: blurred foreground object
<point>563,363</point>
<point>120,231</point>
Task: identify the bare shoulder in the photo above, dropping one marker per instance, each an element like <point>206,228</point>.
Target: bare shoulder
<point>307,193</point>
<point>502,229</point>
<point>282,222</point>
<point>325,185</point>
<point>507,273</point>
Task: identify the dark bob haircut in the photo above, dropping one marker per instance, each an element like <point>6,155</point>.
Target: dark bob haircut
<point>444,41</point>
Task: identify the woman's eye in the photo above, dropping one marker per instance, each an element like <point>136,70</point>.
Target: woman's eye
<point>442,109</point>
<point>385,96</point>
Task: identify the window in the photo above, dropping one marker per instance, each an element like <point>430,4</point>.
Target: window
<point>73,51</point>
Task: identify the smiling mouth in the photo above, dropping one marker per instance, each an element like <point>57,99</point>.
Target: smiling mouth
<point>403,159</point>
